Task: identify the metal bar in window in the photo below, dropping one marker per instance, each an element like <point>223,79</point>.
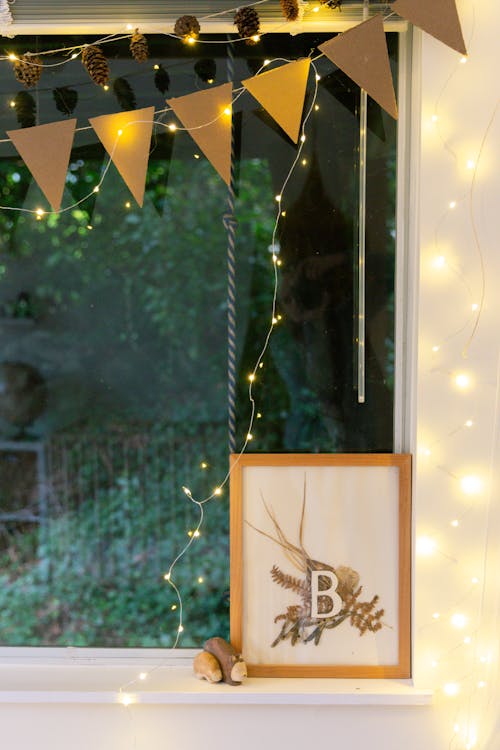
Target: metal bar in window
<point>361,333</point>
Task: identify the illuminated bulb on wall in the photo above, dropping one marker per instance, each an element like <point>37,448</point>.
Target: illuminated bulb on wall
<point>451,688</point>
<point>463,60</point>
<point>474,580</point>
<point>126,699</point>
<point>435,348</point>
<point>471,163</point>
<point>434,118</point>
<point>467,640</point>
<point>454,523</point>
<point>474,307</point>
<point>462,381</point>
<point>425,546</point>
<point>458,620</point>
<point>143,675</point>
<point>469,423</point>
<point>471,485</point>
<point>439,261</point>
<point>452,204</point>
<point>436,615</point>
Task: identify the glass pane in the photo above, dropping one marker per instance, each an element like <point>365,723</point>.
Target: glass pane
<point>113,372</point>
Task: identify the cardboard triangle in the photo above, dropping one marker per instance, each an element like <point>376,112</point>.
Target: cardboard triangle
<point>361,52</point>
<point>281,92</point>
<point>440,19</point>
<point>202,114</point>
<point>130,150</point>
<point>46,149</point>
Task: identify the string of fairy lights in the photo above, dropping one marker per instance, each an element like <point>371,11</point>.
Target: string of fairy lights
<point>466,662</point>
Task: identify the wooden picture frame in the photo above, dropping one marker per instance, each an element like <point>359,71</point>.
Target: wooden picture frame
<point>333,523</point>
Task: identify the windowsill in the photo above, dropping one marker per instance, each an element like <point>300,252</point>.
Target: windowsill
<point>90,680</point>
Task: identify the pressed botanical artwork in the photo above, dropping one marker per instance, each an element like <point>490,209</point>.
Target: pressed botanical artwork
<point>320,564</point>
<point>329,596</point>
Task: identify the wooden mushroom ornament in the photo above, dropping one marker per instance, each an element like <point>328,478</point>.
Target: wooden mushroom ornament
<point>220,661</point>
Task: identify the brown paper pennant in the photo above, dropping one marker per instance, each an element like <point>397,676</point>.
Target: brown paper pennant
<point>46,149</point>
<point>129,150</point>
<point>440,19</point>
<point>361,52</point>
<point>281,92</point>
<point>207,117</point>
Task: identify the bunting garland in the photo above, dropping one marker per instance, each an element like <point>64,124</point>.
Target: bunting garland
<point>360,52</point>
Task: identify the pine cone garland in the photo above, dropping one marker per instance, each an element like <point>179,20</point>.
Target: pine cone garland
<point>96,64</point>
<point>187,27</point>
<point>290,9</point>
<point>162,79</point>
<point>65,99</point>
<point>139,47</point>
<point>28,69</point>
<point>332,4</point>
<point>247,22</point>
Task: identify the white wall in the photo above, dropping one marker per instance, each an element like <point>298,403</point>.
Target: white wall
<point>465,95</point>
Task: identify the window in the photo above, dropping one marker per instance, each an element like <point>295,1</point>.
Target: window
<point>113,379</point>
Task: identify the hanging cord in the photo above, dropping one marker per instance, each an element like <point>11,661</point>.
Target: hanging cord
<point>230,224</point>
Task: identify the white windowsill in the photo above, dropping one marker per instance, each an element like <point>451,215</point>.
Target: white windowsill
<point>81,678</point>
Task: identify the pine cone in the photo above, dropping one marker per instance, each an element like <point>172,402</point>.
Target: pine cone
<point>332,4</point>
<point>124,93</point>
<point>290,9</point>
<point>28,69</point>
<point>187,27</point>
<point>248,23</point>
<point>66,99</point>
<point>139,47</point>
<point>25,107</point>
<point>95,64</point>
<point>162,79</point>
<point>206,69</point>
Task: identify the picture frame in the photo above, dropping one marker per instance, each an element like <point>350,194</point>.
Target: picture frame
<point>320,564</point>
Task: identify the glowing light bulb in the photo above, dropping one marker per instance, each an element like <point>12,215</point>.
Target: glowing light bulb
<point>462,381</point>
<point>167,576</point>
<point>469,423</point>
<point>474,580</point>
<point>172,127</point>
<point>435,348</point>
<point>463,60</point>
<point>40,212</point>
<point>227,111</point>
<point>186,491</point>
<point>474,307</point>
<point>143,675</point>
<point>210,80</point>
<point>439,261</point>
<point>452,204</point>
<point>304,162</point>
<point>259,415</point>
<point>315,9</point>
<point>203,465</point>
<point>96,189</point>
<point>251,377</point>
<point>89,226</point>
<point>277,198</point>
<point>467,640</point>
<point>266,62</point>
<point>200,579</point>
<point>458,620</point>
<point>126,699</point>
<point>128,204</point>
<point>12,56</point>
<point>436,615</point>
<point>120,132</point>
<point>283,213</point>
<point>12,103</point>
<point>129,27</point>
<point>173,607</point>
<point>316,107</point>
<point>74,55</point>
<point>106,87</point>
<point>303,138</point>
<point>249,436</point>
<point>425,546</point>
<point>156,67</point>
<point>451,688</point>
<point>256,38</point>
<point>218,491</point>
<point>196,156</point>
<point>471,484</point>
<point>196,533</point>
<point>471,164</point>
<point>455,523</point>
<point>190,40</point>
<point>434,118</point>
<point>180,629</point>
<point>190,533</point>
<point>318,77</point>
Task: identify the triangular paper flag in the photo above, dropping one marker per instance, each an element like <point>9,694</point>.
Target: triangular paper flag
<point>281,92</point>
<point>440,19</point>
<point>130,150</point>
<point>207,117</point>
<point>361,52</point>
<point>46,149</point>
